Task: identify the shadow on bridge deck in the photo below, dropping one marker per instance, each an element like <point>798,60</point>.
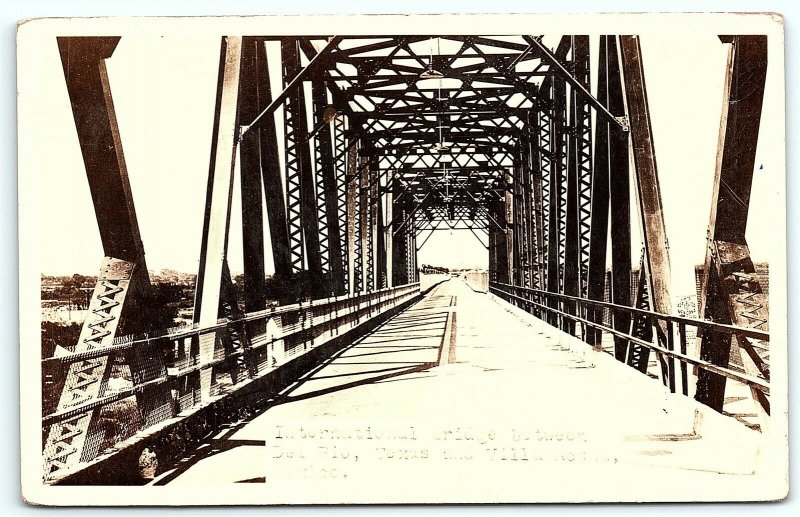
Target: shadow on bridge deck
<point>438,408</point>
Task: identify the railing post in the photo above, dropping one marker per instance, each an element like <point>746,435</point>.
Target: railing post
<point>684,369</point>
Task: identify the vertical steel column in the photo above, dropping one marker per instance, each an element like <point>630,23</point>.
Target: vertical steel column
<point>619,200</point>
<point>216,222</point>
<point>555,210</point>
<point>492,240</point>
<point>572,264</point>
<point>508,221</point>
<point>250,105</point>
<point>563,129</point>
<point>610,160</point>
<point>545,108</point>
<point>323,165</point>
<point>388,241</point>
<point>522,215</point>
<point>648,188</point>
<point>537,216</point>
<point>364,228</point>
<point>399,241</point>
<point>302,209</point>
<point>517,258</point>
<point>353,237</point>
<point>374,233</point>
<point>411,248</point>
<point>731,292</point>
<point>414,276</point>
<point>271,173</point>
<point>290,63</point>
<point>327,191</point>
<point>498,251</point>
<point>583,156</point>
<point>342,182</point>
<point>528,225</point>
<point>381,262</point>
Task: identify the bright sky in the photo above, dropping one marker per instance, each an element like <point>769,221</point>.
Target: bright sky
<point>164,90</point>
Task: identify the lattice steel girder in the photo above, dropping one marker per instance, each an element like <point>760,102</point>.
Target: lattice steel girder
<point>303,218</point>
<point>522,219</point>
<point>353,237</point>
<point>582,153</point>
<point>323,164</point>
<point>290,63</point>
<point>430,135</point>
<point>294,82</point>
<point>508,218</point>
<point>498,246</point>
<point>575,82</point>
<point>400,241</point>
<point>374,223</point>
<point>487,98</point>
<point>647,184</point>
<point>545,155</point>
<point>477,124</point>
<point>556,210</point>
<point>572,255</point>
<point>365,232</point>
<point>471,149</point>
<point>339,144</point>
<point>537,216</point>
<point>638,357</point>
<point>327,190</point>
<point>395,75</point>
<point>77,439</point>
<point>731,293</point>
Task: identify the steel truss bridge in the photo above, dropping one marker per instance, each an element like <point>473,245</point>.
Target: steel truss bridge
<point>383,138</point>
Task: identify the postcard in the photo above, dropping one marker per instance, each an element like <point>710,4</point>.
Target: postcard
<point>402,259</point>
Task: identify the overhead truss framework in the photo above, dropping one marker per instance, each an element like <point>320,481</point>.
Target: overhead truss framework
<point>386,137</point>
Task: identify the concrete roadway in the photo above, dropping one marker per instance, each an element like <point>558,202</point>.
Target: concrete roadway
<point>464,398</point>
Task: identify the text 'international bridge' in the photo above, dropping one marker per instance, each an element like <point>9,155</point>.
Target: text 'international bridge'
<point>385,137</point>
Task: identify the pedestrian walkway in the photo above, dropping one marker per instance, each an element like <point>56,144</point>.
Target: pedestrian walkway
<point>464,397</point>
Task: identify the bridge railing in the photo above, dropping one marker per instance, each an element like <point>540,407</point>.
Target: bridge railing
<point>159,382</point>
<point>659,328</point>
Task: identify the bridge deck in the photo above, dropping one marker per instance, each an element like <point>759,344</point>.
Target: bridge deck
<point>486,407</point>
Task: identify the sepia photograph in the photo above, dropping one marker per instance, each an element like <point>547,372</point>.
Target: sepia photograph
<point>370,259</point>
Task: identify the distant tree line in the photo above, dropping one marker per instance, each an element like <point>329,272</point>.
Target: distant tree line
<point>430,270</point>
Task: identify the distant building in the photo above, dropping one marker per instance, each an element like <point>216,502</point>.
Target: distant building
<point>761,274</point>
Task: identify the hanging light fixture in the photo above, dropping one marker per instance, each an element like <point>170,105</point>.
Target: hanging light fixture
<point>331,114</point>
<point>430,72</point>
<point>447,197</point>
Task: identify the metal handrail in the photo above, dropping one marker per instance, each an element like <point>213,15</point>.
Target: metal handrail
<point>752,381</point>
<point>191,331</point>
<point>717,327</point>
<point>169,338</point>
